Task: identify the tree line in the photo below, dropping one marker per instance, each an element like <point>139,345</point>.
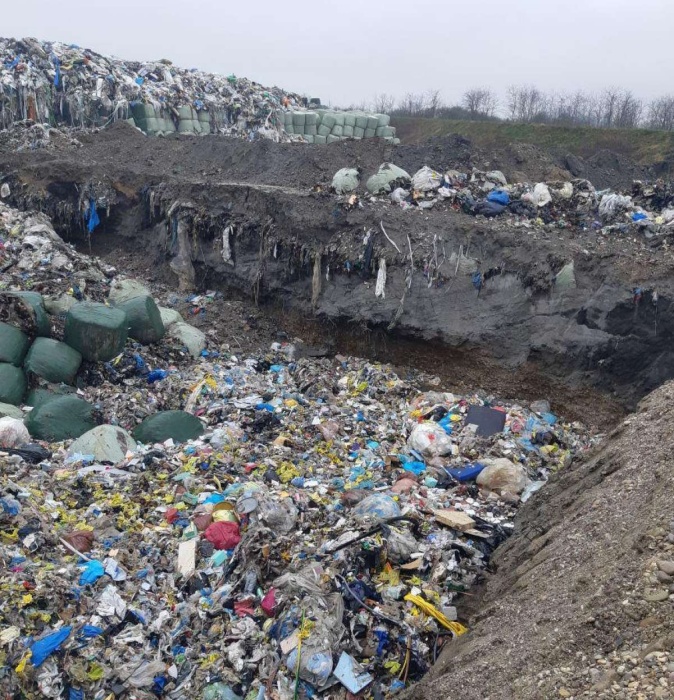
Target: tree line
<point>611,108</point>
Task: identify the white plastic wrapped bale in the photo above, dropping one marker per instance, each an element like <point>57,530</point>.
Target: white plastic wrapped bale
<point>333,139</point>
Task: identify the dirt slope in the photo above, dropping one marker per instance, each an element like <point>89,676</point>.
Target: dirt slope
<point>578,607</point>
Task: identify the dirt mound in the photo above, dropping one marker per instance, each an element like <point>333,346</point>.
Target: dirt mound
<point>582,600</point>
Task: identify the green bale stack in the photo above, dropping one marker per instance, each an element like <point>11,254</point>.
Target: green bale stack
<point>12,384</point>
<point>176,425</point>
<point>144,319</point>
<point>14,344</point>
<point>52,360</point>
<point>98,332</point>
<point>63,418</point>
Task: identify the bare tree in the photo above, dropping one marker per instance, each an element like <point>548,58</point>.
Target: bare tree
<point>383,103</point>
<point>433,103</point>
<point>661,113</point>
<point>480,102</point>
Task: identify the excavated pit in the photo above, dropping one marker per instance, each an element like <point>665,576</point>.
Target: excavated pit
<point>209,214</point>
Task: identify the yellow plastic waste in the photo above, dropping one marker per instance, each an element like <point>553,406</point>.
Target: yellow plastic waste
<point>455,627</point>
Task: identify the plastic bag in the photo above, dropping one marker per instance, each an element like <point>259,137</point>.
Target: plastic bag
<point>430,440</point>
<point>426,180</point>
<point>45,647</point>
<point>13,432</point>
<point>499,197</point>
<point>378,506</point>
<point>223,535</point>
<point>541,195</point>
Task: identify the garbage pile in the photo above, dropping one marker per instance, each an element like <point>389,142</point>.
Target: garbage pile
<point>576,203</point>
<point>65,86</point>
<point>177,521</point>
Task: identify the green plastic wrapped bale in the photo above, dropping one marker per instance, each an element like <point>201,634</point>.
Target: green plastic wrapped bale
<point>323,130</point>
<point>309,138</point>
<point>387,178</point>
<point>346,180</point>
<point>98,332</point>
<point>328,120</point>
<point>290,129</point>
<point>339,119</point>
<point>310,130</point>
<point>372,123</point>
<point>320,139</point>
<point>369,133</point>
<point>185,126</point>
<point>311,119</point>
<point>333,139</point>
<point>358,132</point>
<point>53,361</point>
<point>337,130</point>
<point>177,425</point>
<point>361,123</point>
<point>12,384</point>
<point>144,319</point>
<point>185,112</point>
<point>383,120</point>
<point>13,344</point>
<point>299,119</point>
<point>38,397</point>
<point>26,310</point>
<point>348,131</point>
<point>64,418</point>
<point>350,120</point>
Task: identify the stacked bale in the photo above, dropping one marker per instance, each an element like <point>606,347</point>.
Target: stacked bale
<point>328,126</point>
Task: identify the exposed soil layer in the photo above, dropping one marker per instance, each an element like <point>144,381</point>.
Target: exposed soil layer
<point>301,255</point>
<point>578,606</point>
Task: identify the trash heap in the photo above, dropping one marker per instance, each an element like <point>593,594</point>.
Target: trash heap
<point>222,527</point>
<point>576,203</point>
<point>65,86</point>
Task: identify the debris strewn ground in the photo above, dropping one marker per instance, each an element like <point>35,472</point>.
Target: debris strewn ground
<point>278,525</point>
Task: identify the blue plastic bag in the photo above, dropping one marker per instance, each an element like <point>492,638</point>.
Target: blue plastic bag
<point>45,647</point>
<point>414,467</point>
<point>93,571</point>
<point>639,216</point>
<point>499,197</point>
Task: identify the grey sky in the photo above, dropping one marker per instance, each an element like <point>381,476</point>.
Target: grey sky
<point>346,51</point>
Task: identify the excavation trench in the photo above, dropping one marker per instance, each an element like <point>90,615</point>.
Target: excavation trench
<point>313,266</point>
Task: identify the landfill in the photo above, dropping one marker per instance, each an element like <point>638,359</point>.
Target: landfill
<point>51,90</point>
<point>181,521</point>
<point>576,204</point>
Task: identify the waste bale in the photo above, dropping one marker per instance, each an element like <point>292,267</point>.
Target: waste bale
<point>52,360</point>
<point>387,178</point>
<point>125,289</point>
<point>7,410</point>
<point>63,418</point>
<point>144,320</point>
<point>40,395</point>
<point>106,443</point>
<point>14,344</point>
<point>169,316</point>
<point>502,475</point>
<point>12,384</point>
<point>26,310</point>
<point>177,425</point>
<point>59,305</point>
<point>98,332</point>
<point>192,338</point>
<point>346,180</point>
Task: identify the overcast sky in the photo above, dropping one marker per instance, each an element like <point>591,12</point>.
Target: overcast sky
<point>344,52</point>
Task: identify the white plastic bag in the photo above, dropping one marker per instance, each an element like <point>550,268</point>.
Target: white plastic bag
<point>430,440</point>
<point>426,180</point>
<point>13,432</point>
